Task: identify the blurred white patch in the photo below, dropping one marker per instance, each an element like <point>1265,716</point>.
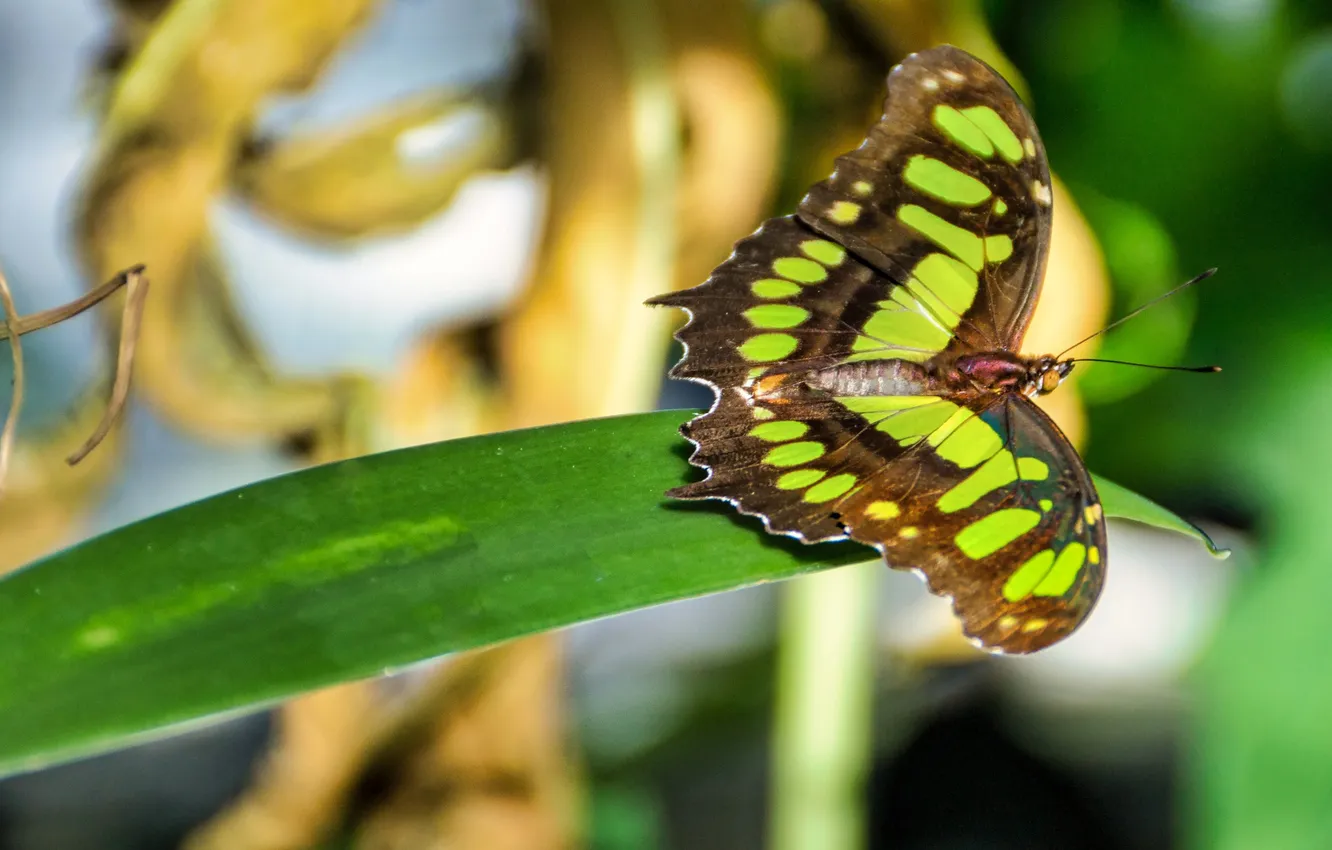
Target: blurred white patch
<point>320,307</point>
<point>440,140</point>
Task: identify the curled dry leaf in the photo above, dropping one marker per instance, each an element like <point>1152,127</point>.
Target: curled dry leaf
<point>388,172</point>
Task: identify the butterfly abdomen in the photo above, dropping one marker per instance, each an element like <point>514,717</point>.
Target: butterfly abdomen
<point>873,378</point>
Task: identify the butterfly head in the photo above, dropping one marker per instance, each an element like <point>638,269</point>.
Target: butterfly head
<point>1045,374</point>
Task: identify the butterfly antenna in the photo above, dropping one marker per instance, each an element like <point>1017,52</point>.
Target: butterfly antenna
<point>1122,319</point>
<point>1149,365</point>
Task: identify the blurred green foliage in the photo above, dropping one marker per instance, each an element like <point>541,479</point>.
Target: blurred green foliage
<point>1212,119</point>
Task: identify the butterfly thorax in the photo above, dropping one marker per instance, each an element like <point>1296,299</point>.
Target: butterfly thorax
<point>1003,371</point>
<point>967,376</point>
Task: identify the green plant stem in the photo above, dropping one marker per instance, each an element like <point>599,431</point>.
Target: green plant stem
<point>822,730</point>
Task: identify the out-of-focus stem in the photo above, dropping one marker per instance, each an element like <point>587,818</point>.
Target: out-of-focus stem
<point>821,737</point>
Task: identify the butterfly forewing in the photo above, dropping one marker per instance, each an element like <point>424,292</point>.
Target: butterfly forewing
<point>953,174</point>
<point>789,300</point>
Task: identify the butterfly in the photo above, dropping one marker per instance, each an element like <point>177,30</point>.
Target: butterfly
<point>865,357</point>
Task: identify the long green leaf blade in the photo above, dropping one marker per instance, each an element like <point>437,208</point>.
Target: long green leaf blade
<point>351,569</point>
<point>346,570</point>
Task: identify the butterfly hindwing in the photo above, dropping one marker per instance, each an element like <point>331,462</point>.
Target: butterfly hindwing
<point>997,511</point>
<point>953,171</point>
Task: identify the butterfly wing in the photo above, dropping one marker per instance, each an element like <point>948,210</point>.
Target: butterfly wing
<point>952,183</point>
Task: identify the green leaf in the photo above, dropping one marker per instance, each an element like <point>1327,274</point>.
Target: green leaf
<point>1122,503</point>
<point>351,569</point>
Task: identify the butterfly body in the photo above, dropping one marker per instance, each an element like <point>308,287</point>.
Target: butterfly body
<point>970,376</point>
<point>866,359</point>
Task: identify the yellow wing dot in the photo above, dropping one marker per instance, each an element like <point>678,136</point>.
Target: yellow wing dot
<point>844,212</point>
<point>1029,147</point>
<point>908,532</point>
<point>1092,513</point>
<point>1007,621</point>
<point>1035,625</point>
<point>883,510</point>
<point>862,188</point>
<point>1094,555</point>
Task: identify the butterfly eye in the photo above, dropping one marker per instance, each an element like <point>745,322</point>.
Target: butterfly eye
<point>1050,381</point>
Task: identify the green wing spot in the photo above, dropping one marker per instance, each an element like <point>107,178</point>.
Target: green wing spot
<point>1046,504</point>
<point>948,280</point>
<point>794,454</point>
<point>917,299</point>
<point>940,180</point>
<point>1025,578</point>
<point>844,212</point>
<point>902,417</point>
<point>1033,469</point>
<point>870,404</point>
<point>895,327</point>
<point>1064,572</point>
<point>999,471</point>
<point>765,348</point>
<point>961,243</point>
<point>799,269</point>
<point>999,206</point>
<point>993,532</point>
<point>965,439</point>
<point>776,316</point>
<point>998,248</point>
<point>908,426</point>
<point>961,130</point>
<point>828,253</point>
<point>828,490</point>
<point>773,288</point>
<point>779,432</point>
<point>998,131</point>
<point>799,479</point>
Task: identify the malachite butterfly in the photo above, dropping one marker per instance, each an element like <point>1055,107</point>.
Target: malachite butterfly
<point>865,358</point>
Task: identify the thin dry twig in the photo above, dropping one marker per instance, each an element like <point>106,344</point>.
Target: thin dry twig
<point>11,330</point>
<point>14,326</point>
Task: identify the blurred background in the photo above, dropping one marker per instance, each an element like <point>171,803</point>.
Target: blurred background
<point>374,223</point>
